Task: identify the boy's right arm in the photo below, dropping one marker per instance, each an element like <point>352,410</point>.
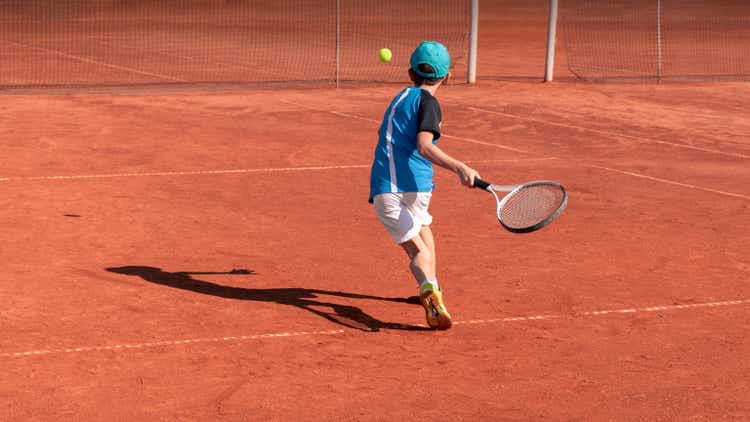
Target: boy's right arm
<point>437,156</point>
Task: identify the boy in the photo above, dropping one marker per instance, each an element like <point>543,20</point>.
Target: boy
<point>401,176</point>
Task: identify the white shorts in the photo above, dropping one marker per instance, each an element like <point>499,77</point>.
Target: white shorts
<point>403,214</point>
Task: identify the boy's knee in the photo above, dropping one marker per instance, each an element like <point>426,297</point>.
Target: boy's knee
<point>413,249</point>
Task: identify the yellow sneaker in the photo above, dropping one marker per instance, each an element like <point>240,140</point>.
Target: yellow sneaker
<point>436,313</point>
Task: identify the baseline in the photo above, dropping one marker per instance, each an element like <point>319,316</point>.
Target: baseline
<point>598,313</point>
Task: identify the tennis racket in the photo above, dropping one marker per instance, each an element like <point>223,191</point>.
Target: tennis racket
<point>527,207</point>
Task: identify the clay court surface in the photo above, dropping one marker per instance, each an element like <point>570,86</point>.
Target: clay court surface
<point>212,255</point>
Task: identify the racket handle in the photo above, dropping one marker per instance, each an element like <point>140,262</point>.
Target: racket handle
<point>479,183</point>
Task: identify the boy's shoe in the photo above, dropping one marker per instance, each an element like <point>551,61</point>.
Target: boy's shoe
<point>436,313</point>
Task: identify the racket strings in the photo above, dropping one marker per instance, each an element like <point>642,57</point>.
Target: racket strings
<point>531,206</point>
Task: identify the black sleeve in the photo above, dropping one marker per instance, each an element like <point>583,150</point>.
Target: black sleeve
<point>429,115</point>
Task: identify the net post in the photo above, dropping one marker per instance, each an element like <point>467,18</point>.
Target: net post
<point>471,76</point>
<point>549,66</point>
<point>658,42</point>
<point>338,41</point>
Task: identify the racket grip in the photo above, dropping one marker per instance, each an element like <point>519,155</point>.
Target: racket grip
<point>479,183</point>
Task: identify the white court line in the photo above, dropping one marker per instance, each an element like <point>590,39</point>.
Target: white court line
<point>444,135</point>
<point>603,132</point>
<point>232,171</point>
<point>83,59</point>
<point>671,182</point>
<point>540,121</point>
<point>611,312</point>
<point>165,343</point>
<point>655,179</point>
<point>180,173</point>
<point>292,169</point>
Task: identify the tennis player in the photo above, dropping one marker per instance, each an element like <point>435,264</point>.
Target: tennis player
<point>401,179</point>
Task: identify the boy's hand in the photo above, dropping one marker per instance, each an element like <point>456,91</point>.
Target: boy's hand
<point>467,175</point>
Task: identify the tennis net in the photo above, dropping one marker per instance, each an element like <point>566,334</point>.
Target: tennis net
<point>120,43</point>
<point>657,39</point>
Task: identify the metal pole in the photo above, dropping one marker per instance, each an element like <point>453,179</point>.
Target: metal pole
<point>473,35</point>
<point>658,41</point>
<point>549,66</point>
<point>338,41</point>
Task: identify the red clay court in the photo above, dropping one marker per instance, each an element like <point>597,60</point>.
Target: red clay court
<point>211,255</point>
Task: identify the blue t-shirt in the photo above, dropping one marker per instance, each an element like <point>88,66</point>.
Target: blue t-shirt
<point>397,166</point>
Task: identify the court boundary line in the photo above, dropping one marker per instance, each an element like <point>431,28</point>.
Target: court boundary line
<point>600,131</point>
<point>126,346</point>
<point>535,120</point>
<point>313,168</point>
<point>443,135</point>
<point>671,182</point>
<point>643,176</point>
<point>179,173</point>
<point>232,171</point>
<point>241,338</point>
<point>648,309</point>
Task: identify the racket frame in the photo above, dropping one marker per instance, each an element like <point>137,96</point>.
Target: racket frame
<point>512,190</point>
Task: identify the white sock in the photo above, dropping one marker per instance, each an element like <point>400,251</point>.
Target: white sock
<point>433,282</point>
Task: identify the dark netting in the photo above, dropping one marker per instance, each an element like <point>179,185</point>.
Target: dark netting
<point>399,25</point>
<point>96,43</point>
<point>657,39</point>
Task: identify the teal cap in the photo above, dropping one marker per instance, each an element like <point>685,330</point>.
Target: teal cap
<point>434,54</point>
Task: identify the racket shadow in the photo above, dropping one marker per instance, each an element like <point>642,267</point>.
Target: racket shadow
<point>307,299</point>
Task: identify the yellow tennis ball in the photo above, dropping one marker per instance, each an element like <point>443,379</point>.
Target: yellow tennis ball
<point>385,55</point>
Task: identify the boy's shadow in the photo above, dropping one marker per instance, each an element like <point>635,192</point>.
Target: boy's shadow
<point>307,299</point>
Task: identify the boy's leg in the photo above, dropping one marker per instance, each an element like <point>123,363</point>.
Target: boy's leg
<point>422,258</point>
<point>406,217</point>
<point>426,234</point>
<point>421,252</point>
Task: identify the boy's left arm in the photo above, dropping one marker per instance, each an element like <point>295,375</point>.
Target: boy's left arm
<point>437,156</point>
